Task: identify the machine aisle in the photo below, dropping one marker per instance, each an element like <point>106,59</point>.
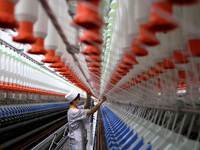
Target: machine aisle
<point>143,55</point>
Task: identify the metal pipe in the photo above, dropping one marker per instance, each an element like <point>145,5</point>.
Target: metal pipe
<point>52,142</point>
<point>47,140</point>
<point>61,143</point>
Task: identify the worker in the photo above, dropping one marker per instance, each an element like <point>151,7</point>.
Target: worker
<point>76,115</point>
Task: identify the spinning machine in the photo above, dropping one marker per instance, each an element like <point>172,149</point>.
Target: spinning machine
<point>143,55</point>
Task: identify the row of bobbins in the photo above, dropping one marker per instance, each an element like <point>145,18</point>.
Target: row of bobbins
<point>150,25</point>
<point>34,27</point>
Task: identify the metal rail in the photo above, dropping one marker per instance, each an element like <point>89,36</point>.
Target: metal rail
<point>50,140</point>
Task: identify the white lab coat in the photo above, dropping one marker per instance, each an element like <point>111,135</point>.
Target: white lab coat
<point>76,119</point>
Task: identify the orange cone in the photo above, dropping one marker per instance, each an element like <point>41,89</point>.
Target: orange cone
<point>7,19</point>
<point>154,71</point>
<point>158,70</point>
<point>179,57</point>
<point>125,70</point>
<point>120,73</point>
<point>193,47</point>
<point>1,85</point>
<point>113,81</point>
<point>125,63</point>
<point>91,36</point>
<point>114,76</point>
<point>128,59</point>
<point>49,57</point>
<point>68,72</point>
<point>62,69</point>
<point>181,74</point>
<point>57,64</point>
<point>91,50</point>
<point>138,50</point>
<point>38,47</point>
<point>137,79</point>
<point>161,19</point>
<point>94,69</point>
<point>147,36</point>
<point>25,33</point>
<point>144,77</point>
<point>94,64</point>
<point>87,14</point>
<point>125,66</point>
<point>150,74</point>
<point>95,73</point>
<point>159,67</point>
<point>93,58</point>
<point>168,63</point>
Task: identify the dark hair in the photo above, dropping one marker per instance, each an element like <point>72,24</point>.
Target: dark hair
<point>78,96</point>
